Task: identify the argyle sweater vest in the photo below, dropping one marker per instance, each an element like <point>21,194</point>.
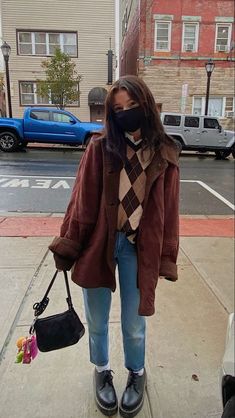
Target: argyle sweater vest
<point>132,188</point>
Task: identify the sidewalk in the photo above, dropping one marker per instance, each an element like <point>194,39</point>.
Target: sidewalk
<point>185,337</point>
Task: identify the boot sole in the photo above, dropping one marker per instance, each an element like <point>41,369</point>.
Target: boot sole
<point>127,413</point>
<point>108,412</point>
<point>131,413</point>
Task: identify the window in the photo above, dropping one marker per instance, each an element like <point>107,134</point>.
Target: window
<point>191,122</point>
<point>45,43</point>
<point>54,42</point>
<point>190,37</point>
<point>223,37</point>
<point>25,43</point>
<point>211,123</point>
<point>197,106</point>
<point>30,96</point>
<point>27,93</point>
<point>61,117</point>
<point>40,115</point>
<point>70,44</point>
<point>216,106</point>
<point>230,104</point>
<point>40,43</point>
<point>173,120</point>
<point>162,36</point>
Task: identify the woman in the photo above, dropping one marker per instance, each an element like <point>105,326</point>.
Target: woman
<point>123,211</point>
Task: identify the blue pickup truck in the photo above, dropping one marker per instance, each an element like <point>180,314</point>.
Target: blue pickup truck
<point>45,125</point>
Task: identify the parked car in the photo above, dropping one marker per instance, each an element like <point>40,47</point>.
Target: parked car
<point>45,125</point>
<point>199,133</point>
<point>227,372</point>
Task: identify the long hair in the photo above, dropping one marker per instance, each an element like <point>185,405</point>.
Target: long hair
<point>152,131</point>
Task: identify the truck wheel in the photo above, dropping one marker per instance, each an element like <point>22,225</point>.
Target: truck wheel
<point>233,151</point>
<point>221,155</point>
<point>22,145</point>
<point>8,141</point>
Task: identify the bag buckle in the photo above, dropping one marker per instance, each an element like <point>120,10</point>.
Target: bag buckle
<point>39,307</point>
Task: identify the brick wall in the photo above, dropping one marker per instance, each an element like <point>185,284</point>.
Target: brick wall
<point>166,83</point>
<point>166,72</point>
<point>130,42</point>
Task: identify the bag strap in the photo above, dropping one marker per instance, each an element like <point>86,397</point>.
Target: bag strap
<point>69,298</point>
<point>39,307</point>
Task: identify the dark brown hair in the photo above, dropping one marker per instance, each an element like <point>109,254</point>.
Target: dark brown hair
<point>152,131</point>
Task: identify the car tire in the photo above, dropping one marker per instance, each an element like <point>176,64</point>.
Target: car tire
<point>233,151</point>
<point>222,154</point>
<point>179,143</point>
<point>9,142</point>
<point>22,145</point>
<point>229,409</point>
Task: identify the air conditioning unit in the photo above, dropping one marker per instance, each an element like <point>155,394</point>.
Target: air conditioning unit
<point>222,48</point>
<point>162,45</point>
<point>189,47</point>
<point>230,114</point>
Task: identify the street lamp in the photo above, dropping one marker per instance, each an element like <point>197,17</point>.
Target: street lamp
<point>209,65</point>
<point>6,50</point>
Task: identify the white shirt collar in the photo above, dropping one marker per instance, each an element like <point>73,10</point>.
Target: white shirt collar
<point>131,138</point>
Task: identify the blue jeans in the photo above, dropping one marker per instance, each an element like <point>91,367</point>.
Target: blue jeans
<point>97,307</point>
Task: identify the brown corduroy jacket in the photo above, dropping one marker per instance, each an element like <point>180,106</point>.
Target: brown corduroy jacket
<point>87,239</point>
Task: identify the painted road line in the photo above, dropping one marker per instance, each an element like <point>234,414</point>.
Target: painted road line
<point>37,177</point>
<point>39,183</point>
<point>216,194</point>
<point>212,191</point>
<point>45,182</point>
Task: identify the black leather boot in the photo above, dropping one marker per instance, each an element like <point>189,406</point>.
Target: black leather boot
<point>105,395</point>
<point>133,396</point>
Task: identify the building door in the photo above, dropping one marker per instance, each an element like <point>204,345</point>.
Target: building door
<point>96,100</point>
<point>97,113</point>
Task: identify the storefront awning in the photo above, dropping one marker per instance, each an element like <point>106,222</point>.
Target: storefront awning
<point>97,96</point>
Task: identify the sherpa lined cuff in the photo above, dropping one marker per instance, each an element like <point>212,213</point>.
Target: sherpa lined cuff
<point>65,248</point>
<point>63,263</point>
<point>168,269</point>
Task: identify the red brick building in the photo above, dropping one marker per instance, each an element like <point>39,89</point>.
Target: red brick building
<point>168,43</point>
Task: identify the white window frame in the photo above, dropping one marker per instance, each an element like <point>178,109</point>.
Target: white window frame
<point>19,43</point>
<point>196,36</point>
<point>169,35</point>
<point>204,105</point>
<point>61,45</point>
<point>229,25</point>
<point>35,103</point>
<point>34,93</point>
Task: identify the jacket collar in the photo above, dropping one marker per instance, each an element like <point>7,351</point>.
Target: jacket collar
<point>170,154</point>
<point>166,154</point>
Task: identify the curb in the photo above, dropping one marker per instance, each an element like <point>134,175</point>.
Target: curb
<point>41,226</point>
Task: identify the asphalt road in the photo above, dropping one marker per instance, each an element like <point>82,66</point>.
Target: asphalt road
<point>40,180</point>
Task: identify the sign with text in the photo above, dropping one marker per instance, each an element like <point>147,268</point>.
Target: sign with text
<point>184,96</point>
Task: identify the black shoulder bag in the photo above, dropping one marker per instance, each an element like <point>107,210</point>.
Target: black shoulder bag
<point>60,330</point>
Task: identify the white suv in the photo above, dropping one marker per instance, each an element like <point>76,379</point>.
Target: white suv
<point>199,133</point>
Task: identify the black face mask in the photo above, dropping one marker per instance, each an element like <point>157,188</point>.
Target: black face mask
<point>130,120</point>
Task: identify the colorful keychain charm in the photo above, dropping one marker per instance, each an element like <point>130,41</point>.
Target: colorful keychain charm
<point>27,349</point>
